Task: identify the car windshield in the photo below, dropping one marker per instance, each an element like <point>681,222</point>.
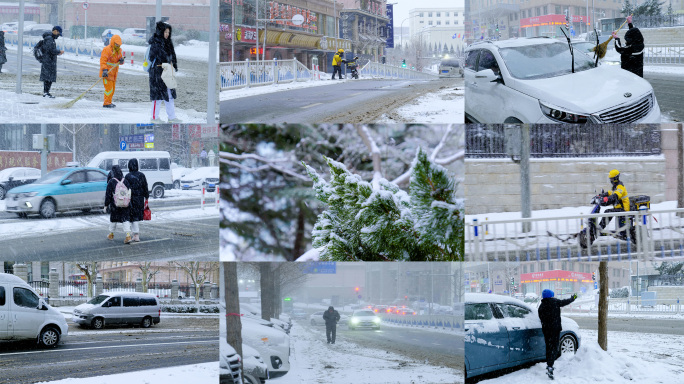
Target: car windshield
<point>542,61</point>
<point>53,177</point>
<point>98,299</point>
<point>364,313</point>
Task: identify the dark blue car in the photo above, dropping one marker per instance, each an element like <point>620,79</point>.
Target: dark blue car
<point>503,332</point>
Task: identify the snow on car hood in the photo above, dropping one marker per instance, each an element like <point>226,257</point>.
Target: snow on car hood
<point>85,307</point>
<point>588,91</point>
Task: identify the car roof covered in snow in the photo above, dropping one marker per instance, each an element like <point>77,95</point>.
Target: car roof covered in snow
<point>492,298</point>
<point>203,172</point>
<point>524,42</point>
<point>10,278</point>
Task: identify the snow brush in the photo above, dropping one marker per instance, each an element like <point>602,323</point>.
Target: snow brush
<point>72,102</point>
<point>601,49</point>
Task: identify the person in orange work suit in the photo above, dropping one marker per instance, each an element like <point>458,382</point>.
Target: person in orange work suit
<point>110,60</point>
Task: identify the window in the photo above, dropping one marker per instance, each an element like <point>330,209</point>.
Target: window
<point>96,176</point>
<point>149,301</point>
<point>455,22</point>
<point>77,177</point>
<point>105,165</point>
<point>550,265</point>
<point>438,14</point>
<point>558,10</point>
<point>544,10</point>
<point>471,59</point>
<point>2,296</point>
<point>123,164</point>
<point>446,14</point>
<point>131,302</point>
<point>480,311</point>
<point>531,268</point>
<point>439,22</point>
<point>25,298</point>
<point>510,310</point>
<point>430,22</point>
<point>114,301</point>
<point>429,14</point>
<point>446,22</point>
<point>164,164</point>
<point>488,61</point>
<point>524,268</point>
<point>420,14</point>
<point>148,164</point>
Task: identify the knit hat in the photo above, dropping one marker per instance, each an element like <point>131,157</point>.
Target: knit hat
<point>547,293</point>
<point>57,28</point>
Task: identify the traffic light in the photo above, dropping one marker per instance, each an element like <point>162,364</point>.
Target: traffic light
<point>512,281</point>
<point>593,276</point>
<point>403,63</point>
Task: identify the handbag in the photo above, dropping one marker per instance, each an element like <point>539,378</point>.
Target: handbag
<point>147,214</point>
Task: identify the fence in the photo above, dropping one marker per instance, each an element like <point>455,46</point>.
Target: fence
<point>79,47</point>
<point>628,305</point>
<point>489,141</point>
<point>425,321</point>
<point>244,74</point>
<point>389,71</point>
<point>657,233</point>
<point>669,54</point>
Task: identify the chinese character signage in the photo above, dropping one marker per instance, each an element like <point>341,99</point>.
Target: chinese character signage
<point>133,141</point>
<point>390,26</point>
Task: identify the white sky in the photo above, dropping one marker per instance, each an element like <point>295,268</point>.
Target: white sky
<point>402,7</point>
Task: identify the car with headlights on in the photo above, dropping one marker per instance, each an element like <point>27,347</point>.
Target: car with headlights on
<point>364,318</point>
<point>502,332</point>
<point>61,190</point>
<point>540,80</point>
<point>316,318</point>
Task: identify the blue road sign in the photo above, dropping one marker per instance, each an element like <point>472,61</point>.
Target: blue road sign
<point>320,267</point>
<point>122,145</point>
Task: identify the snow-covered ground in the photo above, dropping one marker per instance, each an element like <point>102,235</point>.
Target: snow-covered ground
<point>314,361</point>
<point>664,69</point>
<point>444,107</point>
<point>631,358</point>
<point>195,373</point>
<point>272,88</point>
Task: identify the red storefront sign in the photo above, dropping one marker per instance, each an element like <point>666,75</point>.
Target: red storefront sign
<point>14,9</point>
<point>536,277</point>
<point>10,159</point>
<point>550,20</point>
<point>203,131</point>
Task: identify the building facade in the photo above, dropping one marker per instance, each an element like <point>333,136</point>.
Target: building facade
<point>441,28</point>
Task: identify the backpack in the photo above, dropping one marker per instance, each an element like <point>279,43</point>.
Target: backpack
<point>146,63</point>
<point>38,51</point>
<point>122,195</point>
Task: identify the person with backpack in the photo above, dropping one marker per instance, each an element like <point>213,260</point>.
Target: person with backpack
<point>110,59</point>
<point>117,203</point>
<point>139,196</point>
<point>46,52</point>
<point>3,49</point>
<point>161,51</point>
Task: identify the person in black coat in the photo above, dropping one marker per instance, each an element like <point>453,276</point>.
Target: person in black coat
<point>139,195</point>
<point>162,51</point>
<point>117,214</point>
<point>3,49</point>
<point>632,54</point>
<point>549,315</point>
<point>331,317</point>
<point>48,64</point>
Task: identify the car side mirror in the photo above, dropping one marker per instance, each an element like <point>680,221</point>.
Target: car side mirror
<point>10,178</point>
<point>65,182</point>
<point>42,306</point>
<point>489,76</point>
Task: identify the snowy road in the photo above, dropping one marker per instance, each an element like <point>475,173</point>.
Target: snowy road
<point>366,356</point>
<point>362,101</point>
<point>668,90</point>
<point>88,353</point>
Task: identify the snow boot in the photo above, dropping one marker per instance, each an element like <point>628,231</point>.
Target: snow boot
<point>136,238</point>
<point>156,121</point>
<point>48,95</point>
<point>549,372</point>
<point>110,236</point>
<point>175,121</point>
<point>128,238</point>
<point>109,106</point>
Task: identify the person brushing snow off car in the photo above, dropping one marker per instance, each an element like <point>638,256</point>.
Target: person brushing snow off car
<point>331,317</point>
<point>549,315</point>
<point>110,59</point>
<point>632,54</point>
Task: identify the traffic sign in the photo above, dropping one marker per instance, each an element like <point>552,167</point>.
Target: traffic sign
<point>86,5</point>
<point>122,145</point>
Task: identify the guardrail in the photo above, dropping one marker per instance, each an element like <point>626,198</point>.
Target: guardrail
<point>390,71</point>
<point>245,74</point>
<point>78,47</point>
<point>669,54</point>
<point>658,234</point>
<point>628,305</point>
<point>425,321</point>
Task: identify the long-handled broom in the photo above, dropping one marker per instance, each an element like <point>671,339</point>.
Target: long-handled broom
<point>601,49</point>
<point>72,102</point>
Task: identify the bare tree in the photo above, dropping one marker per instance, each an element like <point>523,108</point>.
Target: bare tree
<point>198,272</point>
<point>233,323</point>
<point>89,269</point>
<point>603,306</point>
<point>147,274</point>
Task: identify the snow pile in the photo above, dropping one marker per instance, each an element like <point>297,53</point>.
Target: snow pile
<point>196,373</point>
<point>444,107</point>
<point>272,88</point>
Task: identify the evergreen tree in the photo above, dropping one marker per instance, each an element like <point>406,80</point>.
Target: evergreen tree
<point>386,223</point>
<point>627,8</point>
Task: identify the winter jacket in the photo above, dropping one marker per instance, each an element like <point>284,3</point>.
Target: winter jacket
<point>549,314</point>
<point>116,214</point>
<point>161,51</point>
<point>632,54</point>
<point>109,59</point>
<point>337,60</point>
<point>139,191</point>
<point>331,317</point>
<point>48,67</point>
<point>3,49</point>
<point>618,197</point>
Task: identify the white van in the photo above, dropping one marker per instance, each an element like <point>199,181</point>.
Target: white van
<point>156,165</point>
<point>118,308</point>
<point>25,316</point>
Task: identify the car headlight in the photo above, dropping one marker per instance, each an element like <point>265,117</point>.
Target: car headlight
<point>354,320</point>
<point>26,194</point>
<point>563,116</point>
<point>376,320</point>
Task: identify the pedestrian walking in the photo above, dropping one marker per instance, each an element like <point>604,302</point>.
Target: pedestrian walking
<point>549,315</point>
<point>337,63</point>
<point>117,203</point>
<point>203,157</point>
<point>162,52</point>
<point>331,317</point>
<point>110,60</point>
<point>48,64</point>
<point>139,196</point>
<point>632,54</point>
<point>3,50</point>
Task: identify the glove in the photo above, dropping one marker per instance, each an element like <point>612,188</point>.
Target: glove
<point>574,296</point>
<point>629,19</point>
<point>105,73</point>
<point>615,36</point>
<point>121,60</point>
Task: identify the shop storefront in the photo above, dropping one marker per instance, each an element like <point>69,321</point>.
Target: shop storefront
<point>561,282</point>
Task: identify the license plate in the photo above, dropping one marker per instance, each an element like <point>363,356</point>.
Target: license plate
<point>186,186</point>
<point>212,185</point>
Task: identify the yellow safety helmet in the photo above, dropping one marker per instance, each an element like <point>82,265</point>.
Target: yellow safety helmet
<point>340,50</point>
<point>614,176</point>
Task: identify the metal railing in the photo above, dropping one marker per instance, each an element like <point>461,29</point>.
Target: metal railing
<point>547,140</point>
<point>245,74</point>
<point>79,47</point>
<point>628,305</point>
<point>668,54</point>
<point>448,322</point>
<point>657,234</point>
<point>390,71</point>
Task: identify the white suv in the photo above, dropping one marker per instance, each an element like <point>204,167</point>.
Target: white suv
<point>531,80</point>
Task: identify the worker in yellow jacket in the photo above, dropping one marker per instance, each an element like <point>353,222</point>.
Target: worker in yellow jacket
<point>617,196</point>
<point>110,60</point>
<point>337,63</point>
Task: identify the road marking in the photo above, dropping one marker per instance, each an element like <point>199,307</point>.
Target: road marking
<point>355,94</point>
<point>149,241</point>
<point>312,105</point>
<point>110,346</point>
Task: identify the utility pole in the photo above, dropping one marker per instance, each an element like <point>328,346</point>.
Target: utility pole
<point>44,150</point>
<point>20,44</point>
<point>213,41</point>
<point>525,177</point>
<point>157,14</point>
